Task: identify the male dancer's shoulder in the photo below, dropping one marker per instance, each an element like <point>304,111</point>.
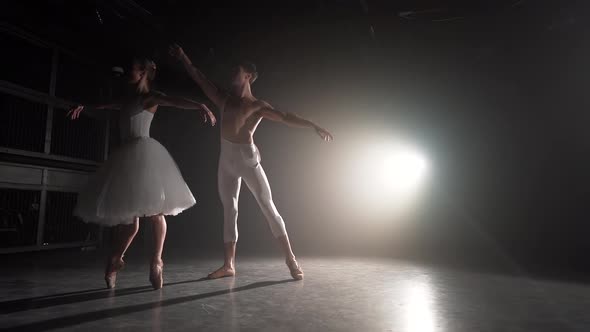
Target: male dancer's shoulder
<point>156,93</point>
<point>262,103</point>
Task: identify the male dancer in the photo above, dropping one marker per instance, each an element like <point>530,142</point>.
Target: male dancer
<point>239,159</point>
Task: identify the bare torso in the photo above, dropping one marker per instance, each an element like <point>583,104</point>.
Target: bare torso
<point>239,119</point>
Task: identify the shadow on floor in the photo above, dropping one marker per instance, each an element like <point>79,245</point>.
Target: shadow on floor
<point>77,319</point>
<point>8,307</point>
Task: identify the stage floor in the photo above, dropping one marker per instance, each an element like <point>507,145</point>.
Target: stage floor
<point>342,294</point>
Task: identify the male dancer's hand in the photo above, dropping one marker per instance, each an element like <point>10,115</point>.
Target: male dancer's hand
<point>75,111</point>
<point>208,116</point>
<point>176,51</point>
<point>324,134</point>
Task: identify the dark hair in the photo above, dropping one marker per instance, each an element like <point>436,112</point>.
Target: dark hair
<point>249,68</point>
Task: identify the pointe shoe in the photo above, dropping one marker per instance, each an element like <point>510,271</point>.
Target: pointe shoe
<point>110,275</point>
<point>222,272</point>
<point>295,269</point>
<point>156,275</point>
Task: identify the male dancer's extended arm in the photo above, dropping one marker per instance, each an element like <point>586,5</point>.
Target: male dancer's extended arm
<point>212,92</point>
<point>293,120</point>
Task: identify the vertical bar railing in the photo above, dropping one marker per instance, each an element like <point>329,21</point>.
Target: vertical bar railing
<point>68,162</point>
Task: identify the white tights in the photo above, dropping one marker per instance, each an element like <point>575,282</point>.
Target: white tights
<point>237,162</point>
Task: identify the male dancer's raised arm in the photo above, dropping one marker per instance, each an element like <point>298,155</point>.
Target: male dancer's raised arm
<point>217,96</point>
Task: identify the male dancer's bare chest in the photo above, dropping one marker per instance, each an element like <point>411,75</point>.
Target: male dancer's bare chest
<point>238,123</point>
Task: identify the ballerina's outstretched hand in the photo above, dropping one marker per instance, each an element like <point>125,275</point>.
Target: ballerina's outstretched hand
<point>207,115</point>
<point>75,111</point>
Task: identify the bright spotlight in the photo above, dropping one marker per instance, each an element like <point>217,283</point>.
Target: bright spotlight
<point>390,175</point>
<point>402,170</point>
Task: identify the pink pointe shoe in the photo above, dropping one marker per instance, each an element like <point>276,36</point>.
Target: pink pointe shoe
<point>110,274</point>
<point>156,275</point>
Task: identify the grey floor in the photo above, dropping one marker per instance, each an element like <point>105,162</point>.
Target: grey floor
<point>337,295</point>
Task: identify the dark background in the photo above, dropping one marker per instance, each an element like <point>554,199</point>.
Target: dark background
<point>494,92</point>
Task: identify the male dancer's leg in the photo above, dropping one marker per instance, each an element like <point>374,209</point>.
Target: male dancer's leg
<point>257,182</point>
<point>229,191</point>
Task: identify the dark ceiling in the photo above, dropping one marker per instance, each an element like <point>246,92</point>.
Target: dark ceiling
<point>125,25</point>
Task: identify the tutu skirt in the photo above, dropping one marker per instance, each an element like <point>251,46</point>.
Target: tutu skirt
<point>139,179</point>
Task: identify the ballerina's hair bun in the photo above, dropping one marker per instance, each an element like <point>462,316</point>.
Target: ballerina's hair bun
<point>149,66</point>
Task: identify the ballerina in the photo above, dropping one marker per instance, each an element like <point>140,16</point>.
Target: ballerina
<point>239,159</point>
<point>140,178</point>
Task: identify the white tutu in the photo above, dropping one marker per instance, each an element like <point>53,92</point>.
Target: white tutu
<point>139,179</point>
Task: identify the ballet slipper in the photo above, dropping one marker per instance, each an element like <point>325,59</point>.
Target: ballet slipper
<point>295,269</point>
<point>222,272</point>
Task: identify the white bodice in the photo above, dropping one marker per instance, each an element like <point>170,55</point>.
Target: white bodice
<point>135,124</point>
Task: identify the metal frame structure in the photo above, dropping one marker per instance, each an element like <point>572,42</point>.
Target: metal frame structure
<point>42,178</point>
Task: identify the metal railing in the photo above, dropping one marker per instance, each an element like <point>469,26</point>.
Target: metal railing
<point>44,158</point>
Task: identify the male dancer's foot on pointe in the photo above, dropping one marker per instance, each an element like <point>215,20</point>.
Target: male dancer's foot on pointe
<point>157,274</point>
<point>222,272</point>
<point>294,268</point>
<point>114,265</point>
